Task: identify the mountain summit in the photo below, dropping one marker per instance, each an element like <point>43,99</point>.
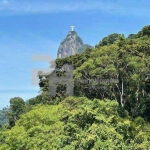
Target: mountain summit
<point>71,45</point>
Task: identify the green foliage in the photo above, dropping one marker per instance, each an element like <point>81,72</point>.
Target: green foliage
<point>124,59</point>
<point>110,39</point>
<point>111,109</point>
<point>144,32</point>
<point>76,123</point>
<point>17,107</point>
<point>127,61</point>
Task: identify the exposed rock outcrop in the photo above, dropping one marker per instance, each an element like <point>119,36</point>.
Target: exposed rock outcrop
<point>71,45</point>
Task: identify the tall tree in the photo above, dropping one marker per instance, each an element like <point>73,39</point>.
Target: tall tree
<point>17,107</point>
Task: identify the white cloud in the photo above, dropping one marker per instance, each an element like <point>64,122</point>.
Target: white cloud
<point>111,7</point>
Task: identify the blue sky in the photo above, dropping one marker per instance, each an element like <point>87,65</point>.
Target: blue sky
<point>29,27</point>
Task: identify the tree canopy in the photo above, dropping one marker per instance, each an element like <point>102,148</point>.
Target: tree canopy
<point>77,123</point>
<point>110,108</point>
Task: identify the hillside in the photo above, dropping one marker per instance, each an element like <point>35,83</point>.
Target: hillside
<point>77,123</point>
<point>110,108</point>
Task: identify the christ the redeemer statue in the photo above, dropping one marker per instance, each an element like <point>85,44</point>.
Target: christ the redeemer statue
<point>72,28</point>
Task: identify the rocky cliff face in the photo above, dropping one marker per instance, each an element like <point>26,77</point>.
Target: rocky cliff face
<point>70,45</point>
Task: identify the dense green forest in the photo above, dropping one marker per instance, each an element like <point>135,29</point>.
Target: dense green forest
<point>111,114</point>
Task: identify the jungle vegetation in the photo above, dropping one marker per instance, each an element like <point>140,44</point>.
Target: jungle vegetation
<point>111,110</point>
